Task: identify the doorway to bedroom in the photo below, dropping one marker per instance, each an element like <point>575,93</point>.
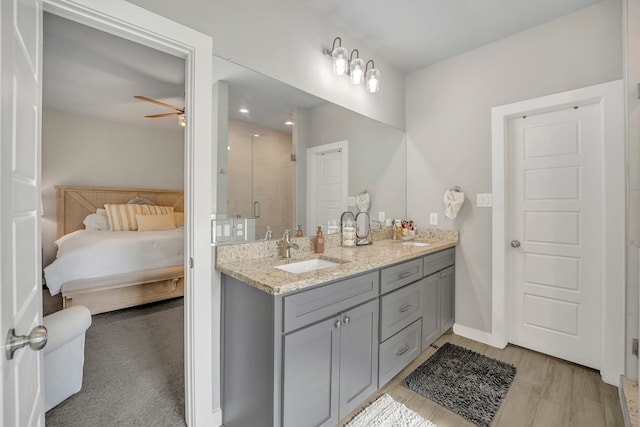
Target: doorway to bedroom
<point>95,136</point>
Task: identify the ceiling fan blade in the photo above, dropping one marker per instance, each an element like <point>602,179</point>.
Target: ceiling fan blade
<point>155,116</point>
<point>153,101</point>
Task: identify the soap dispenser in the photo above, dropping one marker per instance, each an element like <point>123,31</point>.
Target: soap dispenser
<point>319,242</point>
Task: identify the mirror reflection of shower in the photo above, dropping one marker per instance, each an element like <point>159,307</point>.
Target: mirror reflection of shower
<point>260,177</point>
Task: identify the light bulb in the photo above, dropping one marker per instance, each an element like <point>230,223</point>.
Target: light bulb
<point>339,56</point>
<point>357,71</point>
<point>373,80</point>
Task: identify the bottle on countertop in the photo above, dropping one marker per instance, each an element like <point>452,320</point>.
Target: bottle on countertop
<point>299,231</point>
<point>319,242</point>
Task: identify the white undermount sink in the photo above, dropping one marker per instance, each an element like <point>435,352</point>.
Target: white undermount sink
<point>307,266</point>
<point>415,244</point>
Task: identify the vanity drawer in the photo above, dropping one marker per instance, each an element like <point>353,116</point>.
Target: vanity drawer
<point>399,275</point>
<point>438,261</point>
<point>398,351</point>
<point>399,309</point>
<point>316,304</point>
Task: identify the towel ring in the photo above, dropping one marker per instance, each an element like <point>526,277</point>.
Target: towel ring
<point>456,189</point>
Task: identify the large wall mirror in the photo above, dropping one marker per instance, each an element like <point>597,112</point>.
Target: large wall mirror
<point>267,132</point>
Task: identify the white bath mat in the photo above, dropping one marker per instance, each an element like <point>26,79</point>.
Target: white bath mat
<point>386,412</point>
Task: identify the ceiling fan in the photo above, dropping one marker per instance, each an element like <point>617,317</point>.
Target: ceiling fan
<point>179,111</point>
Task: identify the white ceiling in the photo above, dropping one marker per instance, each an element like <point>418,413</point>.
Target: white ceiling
<point>412,34</point>
<point>92,73</point>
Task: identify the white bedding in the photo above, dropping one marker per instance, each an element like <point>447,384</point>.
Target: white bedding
<point>86,254</point>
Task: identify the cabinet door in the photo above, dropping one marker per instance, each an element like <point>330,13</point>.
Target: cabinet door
<point>358,355</point>
<point>447,288</point>
<point>430,302</point>
<point>311,373</point>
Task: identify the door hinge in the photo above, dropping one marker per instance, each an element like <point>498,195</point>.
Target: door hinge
<point>293,157</point>
<point>191,262</point>
<point>634,346</point>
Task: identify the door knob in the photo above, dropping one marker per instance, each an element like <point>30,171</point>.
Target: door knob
<point>37,339</point>
<point>515,243</point>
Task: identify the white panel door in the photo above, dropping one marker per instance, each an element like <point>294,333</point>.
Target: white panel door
<point>20,265</point>
<point>554,216</point>
<point>327,184</point>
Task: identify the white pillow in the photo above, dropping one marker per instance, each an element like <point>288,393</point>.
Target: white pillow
<point>96,222</point>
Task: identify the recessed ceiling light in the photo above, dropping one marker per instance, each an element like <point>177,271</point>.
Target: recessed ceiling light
<point>289,123</point>
<point>243,110</point>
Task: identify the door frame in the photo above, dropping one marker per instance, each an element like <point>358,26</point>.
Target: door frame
<point>614,189</point>
<point>312,186</point>
<point>202,371</point>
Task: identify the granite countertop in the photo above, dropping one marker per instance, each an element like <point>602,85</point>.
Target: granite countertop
<point>260,272</point>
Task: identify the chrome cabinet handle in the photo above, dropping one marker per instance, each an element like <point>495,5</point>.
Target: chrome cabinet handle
<point>338,323</point>
<point>36,339</point>
<point>405,307</point>
<point>515,244</point>
<point>405,275</point>
<point>402,350</point>
<point>256,209</point>
<point>346,320</point>
<point>441,275</point>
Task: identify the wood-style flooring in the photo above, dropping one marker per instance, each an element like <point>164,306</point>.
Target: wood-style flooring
<point>546,392</point>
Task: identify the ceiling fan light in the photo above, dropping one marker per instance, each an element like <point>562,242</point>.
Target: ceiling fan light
<point>182,120</point>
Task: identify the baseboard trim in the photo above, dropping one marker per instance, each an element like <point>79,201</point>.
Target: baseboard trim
<point>473,334</point>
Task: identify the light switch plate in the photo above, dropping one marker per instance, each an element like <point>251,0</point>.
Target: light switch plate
<point>351,201</point>
<point>484,200</point>
<point>381,216</point>
<point>433,218</point>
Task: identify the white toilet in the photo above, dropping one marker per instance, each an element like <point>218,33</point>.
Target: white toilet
<point>64,353</point>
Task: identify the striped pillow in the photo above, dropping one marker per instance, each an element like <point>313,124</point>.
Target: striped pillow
<point>156,210</point>
<point>123,217</point>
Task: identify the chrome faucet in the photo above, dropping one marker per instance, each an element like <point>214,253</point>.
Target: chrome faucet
<point>267,235</point>
<point>285,245</point>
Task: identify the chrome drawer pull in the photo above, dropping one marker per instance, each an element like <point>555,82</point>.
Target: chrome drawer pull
<point>346,320</point>
<point>441,274</point>
<point>338,323</point>
<point>405,275</point>
<point>403,350</point>
<point>405,307</point>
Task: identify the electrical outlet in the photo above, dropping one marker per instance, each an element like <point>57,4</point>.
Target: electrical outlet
<point>433,218</point>
<point>381,216</point>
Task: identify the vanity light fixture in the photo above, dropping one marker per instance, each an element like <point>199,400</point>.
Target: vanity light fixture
<point>243,111</point>
<point>339,57</point>
<point>354,67</point>
<point>289,123</point>
<point>372,77</point>
<point>182,120</point>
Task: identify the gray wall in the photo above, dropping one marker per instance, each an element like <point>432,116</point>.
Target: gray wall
<point>449,125</point>
<point>81,150</point>
<point>377,156</point>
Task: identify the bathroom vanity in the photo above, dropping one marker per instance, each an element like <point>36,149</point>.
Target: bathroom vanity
<point>306,349</point>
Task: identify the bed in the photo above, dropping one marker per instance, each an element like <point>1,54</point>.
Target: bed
<point>107,270</point>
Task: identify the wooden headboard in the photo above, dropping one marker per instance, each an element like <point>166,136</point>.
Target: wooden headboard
<point>74,203</point>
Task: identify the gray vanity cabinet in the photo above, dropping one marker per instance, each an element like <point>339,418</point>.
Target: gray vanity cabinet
<point>330,367</point>
<point>430,302</point>
<point>437,295</point>
<point>302,359</point>
<point>447,289</point>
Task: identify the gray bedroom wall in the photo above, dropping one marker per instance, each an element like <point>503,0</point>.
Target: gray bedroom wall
<point>449,125</point>
<point>80,150</point>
